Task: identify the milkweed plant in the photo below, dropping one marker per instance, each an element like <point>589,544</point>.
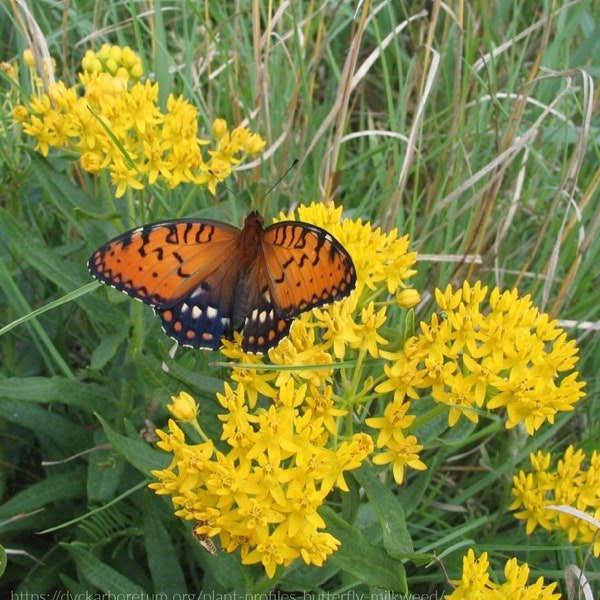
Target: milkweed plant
<point>347,386</point>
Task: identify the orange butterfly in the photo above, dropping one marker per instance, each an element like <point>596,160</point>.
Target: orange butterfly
<point>207,279</point>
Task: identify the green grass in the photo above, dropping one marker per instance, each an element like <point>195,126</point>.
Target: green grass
<point>472,129</point>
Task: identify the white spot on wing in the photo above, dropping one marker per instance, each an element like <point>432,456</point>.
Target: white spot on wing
<point>198,292</point>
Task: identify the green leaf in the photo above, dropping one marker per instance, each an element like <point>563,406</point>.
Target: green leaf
<point>225,573</point>
<point>53,489</point>
<point>137,452</point>
<point>105,468</point>
<point>106,349</point>
<point>47,261</point>
<point>48,390</point>
<point>3,560</point>
<point>409,324</point>
<point>154,376</point>
<point>370,564</point>
<point>101,575</point>
<point>63,433</point>
<point>207,385</point>
<point>59,189</point>
<point>389,511</point>
<point>51,265</point>
<point>163,559</point>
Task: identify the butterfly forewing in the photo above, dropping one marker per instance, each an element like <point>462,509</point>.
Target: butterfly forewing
<point>307,267</point>
<point>163,262</point>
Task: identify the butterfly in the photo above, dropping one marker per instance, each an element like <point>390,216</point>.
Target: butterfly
<point>207,279</point>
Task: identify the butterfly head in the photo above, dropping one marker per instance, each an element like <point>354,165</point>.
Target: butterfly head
<point>254,219</point>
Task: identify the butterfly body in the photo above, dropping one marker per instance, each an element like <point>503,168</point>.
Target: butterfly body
<point>207,279</point>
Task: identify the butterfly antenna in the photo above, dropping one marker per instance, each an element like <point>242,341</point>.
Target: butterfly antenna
<point>214,198</point>
<point>285,174</point>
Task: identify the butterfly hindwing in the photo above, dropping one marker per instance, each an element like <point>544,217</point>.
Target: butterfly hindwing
<point>201,319</point>
<point>263,327</point>
<point>307,267</point>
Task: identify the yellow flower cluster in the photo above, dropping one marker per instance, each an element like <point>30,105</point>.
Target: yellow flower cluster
<point>288,425</point>
<point>469,357</point>
<point>574,482</point>
<point>262,495</point>
<point>114,60</point>
<point>476,582</point>
<point>508,356</point>
<point>116,124</point>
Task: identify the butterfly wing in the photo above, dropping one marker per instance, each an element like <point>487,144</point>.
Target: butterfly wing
<point>207,314</point>
<point>306,266</point>
<point>207,279</point>
<point>187,270</point>
<point>263,326</point>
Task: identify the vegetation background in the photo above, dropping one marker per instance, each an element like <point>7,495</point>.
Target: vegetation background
<point>472,126</point>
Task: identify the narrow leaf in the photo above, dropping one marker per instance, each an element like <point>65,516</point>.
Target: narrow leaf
<point>163,559</point>
<point>55,488</point>
<point>101,575</point>
<point>387,507</point>
<point>49,390</point>
<point>368,563</point>
<point>137,452</point>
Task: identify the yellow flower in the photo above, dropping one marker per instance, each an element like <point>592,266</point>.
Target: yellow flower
<point>303,504</point>
<point>173,441</point>
<point>20,114</point>
<point>476,583</point>
<point>318,547</point>
<point>516,584</point>
<point>475,580</point>
<point>275,432</point>
<point>460,398</point>
<point>322,405</point>
<point>43,132</point>
<point>272,552</point>
<point>117,61</point>
<point>403,378</point>
<point>231,147</point>
<point>184,407</point>
<point>394,420</point>
<point>401,453</point>
<point>407,298</point>
<point>28,57</point>
<point>297,351</point>
<point>573,482</point>
<point>288,443</point>
<point>367,332</point>
<point>123,177</point>
<point>219,128</point>
<point>527,493</point>
<point>339,328</point>
<point>257,514</point>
